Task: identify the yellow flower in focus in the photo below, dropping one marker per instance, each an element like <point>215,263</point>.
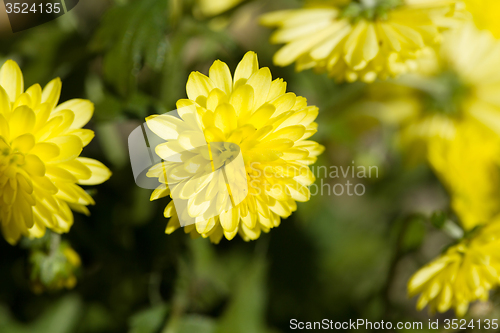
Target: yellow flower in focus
<point>485,14</point>
<point>359,40</point>
<point>464,274</point>
<point>248,114</point>
<point>40,167</point>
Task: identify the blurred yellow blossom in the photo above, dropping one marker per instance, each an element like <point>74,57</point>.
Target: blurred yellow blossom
<point>451,118</point>
<point>468,166</point>
<point>212,8</point>
<point>465,273</point>
<point>359,40</point>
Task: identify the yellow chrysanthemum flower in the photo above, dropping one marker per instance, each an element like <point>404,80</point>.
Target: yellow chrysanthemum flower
<point>248,114</point>
<point>485,14</point>
<point>465,88</point>
<point>464,274</point>
<point>462,125</point>
<point>40,167</point>
<point>360,40</point>
<point>468,166</point>
<point>451,118</point>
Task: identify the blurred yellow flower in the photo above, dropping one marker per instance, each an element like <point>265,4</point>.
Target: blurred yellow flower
<point>359,40</point>
<point>485,14</point>
<point>465,273</point>
<point>248,113</point>
<point>451,118</point>
<point>468,166</point>
<point>40,167</point>
<point>213,8</point>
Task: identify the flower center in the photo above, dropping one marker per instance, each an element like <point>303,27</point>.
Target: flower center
<point>9,157</point>
<point>371,10</point>
<point>223,153</point>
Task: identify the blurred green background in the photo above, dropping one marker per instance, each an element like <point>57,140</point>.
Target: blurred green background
<point>338,257</point>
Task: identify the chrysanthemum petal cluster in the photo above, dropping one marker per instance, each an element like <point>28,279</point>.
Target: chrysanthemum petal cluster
<point>359,40</point>
<point>451,118</point>
<point>465,273</point>
<point>455,117</point>
<point>247,113</point>
<point>40,167</point>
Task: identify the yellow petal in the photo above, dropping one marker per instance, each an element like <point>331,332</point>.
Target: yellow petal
<point>85,135</point>
<point>24,143</point>
<point>225,118</point>
<point>215,98</point>
<point>221,76</point>
<point>100,173</point>
<point>4,127</point>
<point>82,108</point>
<point>23,99</point>
<point>4,102</point>
<point>419,279</point>
<point>278,88</point>
<point>261,84</point>
<point>11,79</point>
<point>59,174</point>
<point>34,166</point>
<point>77,169</point>
<point>229,220</point>
<point>160,192</point>
<point>46,151</point>
<point>70,147</point>
<point>21,121</point>
<point>35,93</point>
<point>245,69</point>
<point>275,18</point>
<point>52,92</point>
<point>172,225</point>
<point>353,54</point>
<point>262,115</point>
<point>198,85</point>
<point>371,46</point>
<point>242,100</point>
<point>292,133</point>
<point>166,127</point>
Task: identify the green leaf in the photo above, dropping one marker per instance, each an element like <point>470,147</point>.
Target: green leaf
<point>438,219</point>
<point>246,311</point>
<point>150,320</point>
<point>62,317</point>
<point>414,234</point>
<point>195,323</point>
<point>130,36</point>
